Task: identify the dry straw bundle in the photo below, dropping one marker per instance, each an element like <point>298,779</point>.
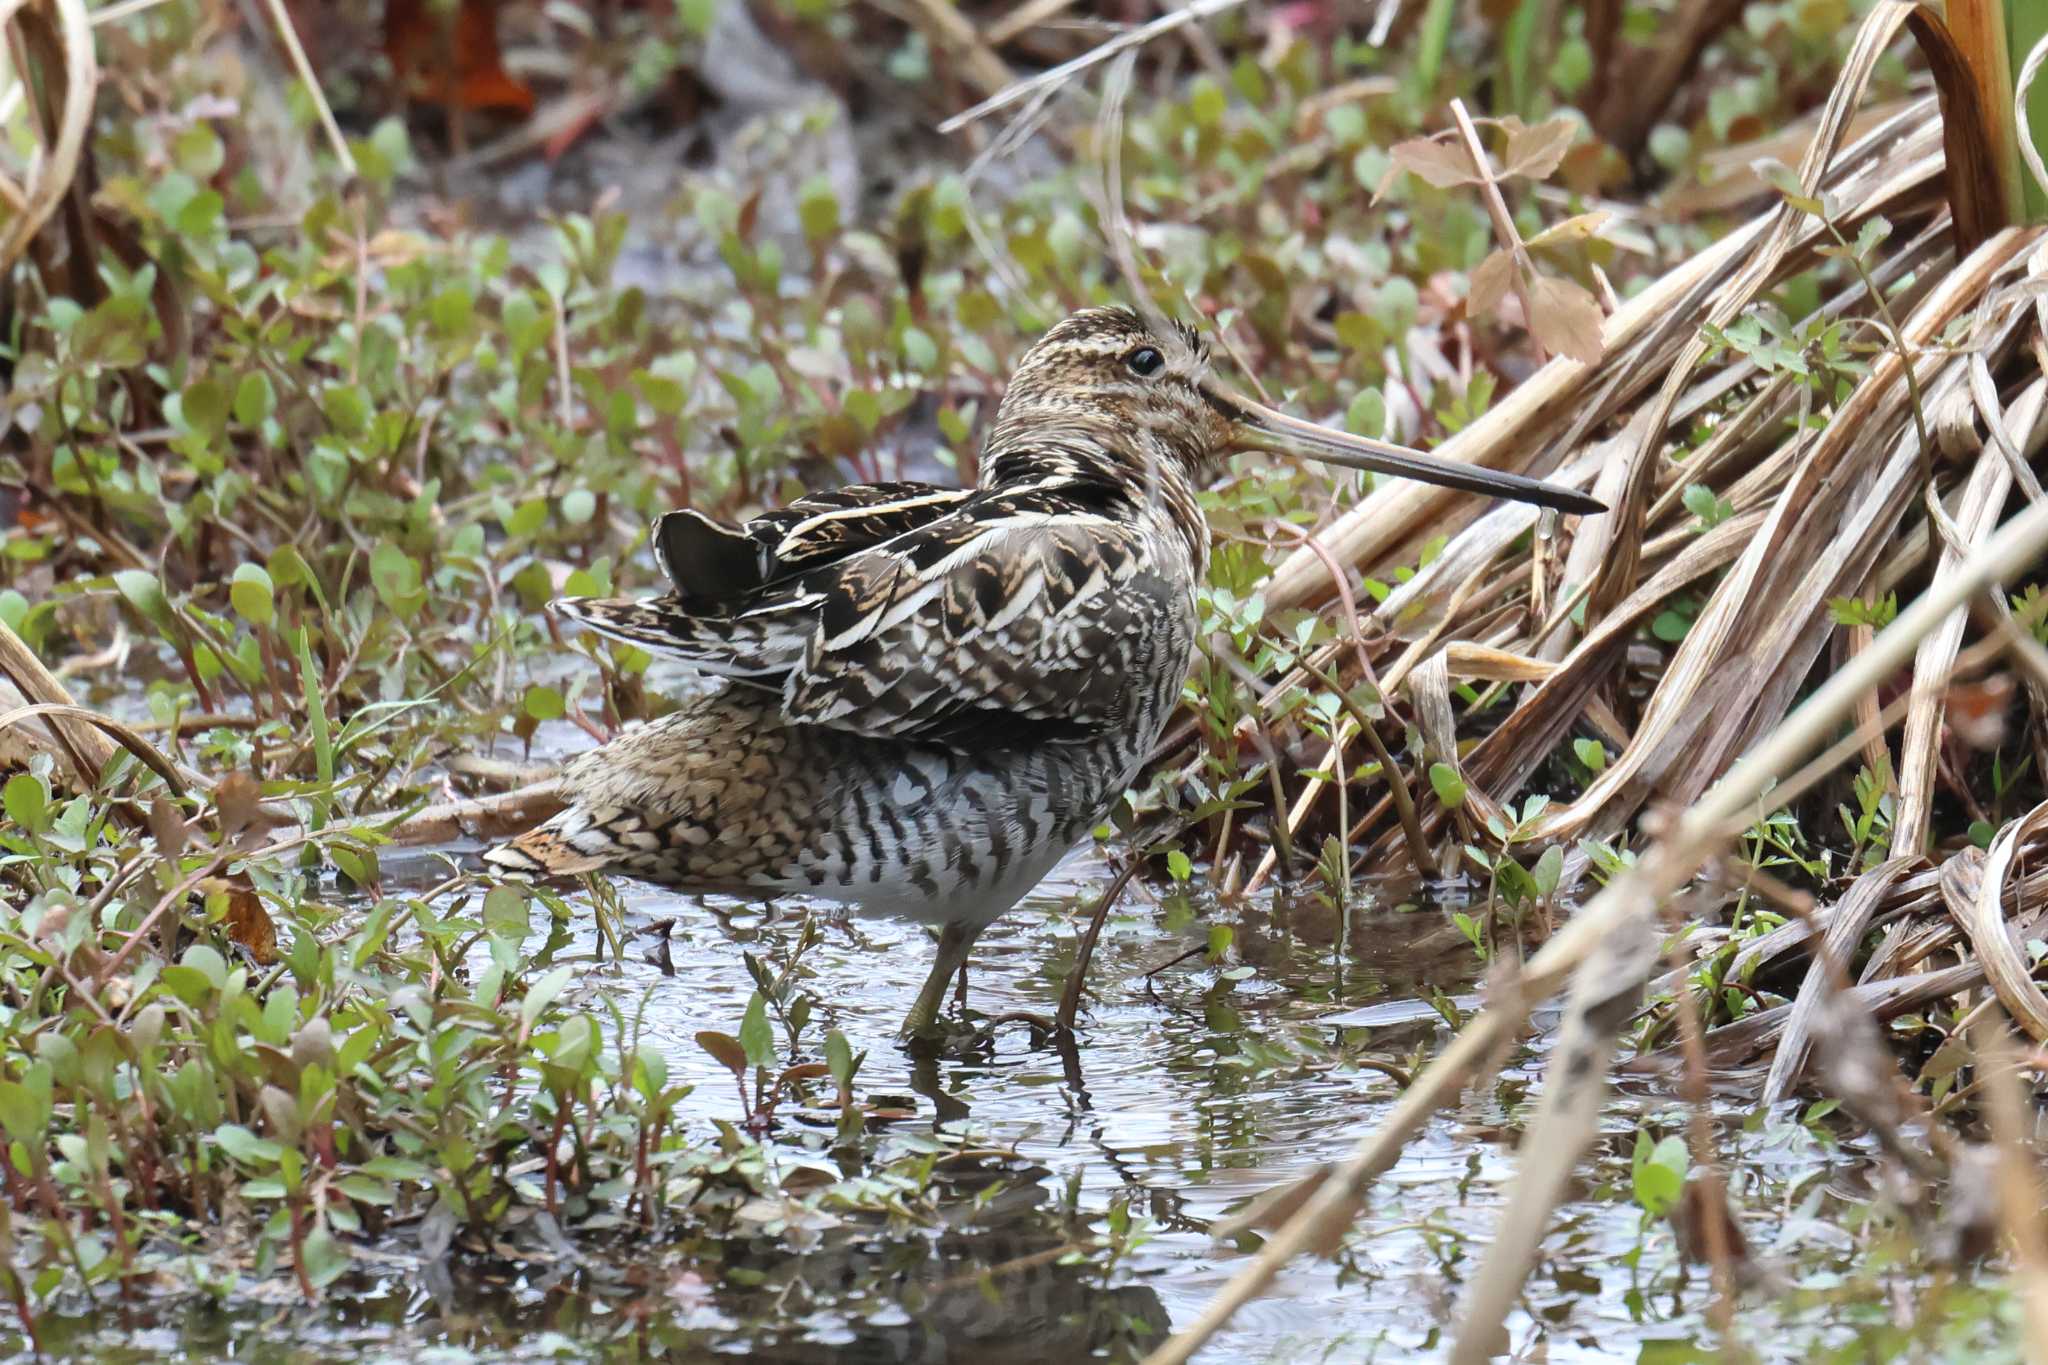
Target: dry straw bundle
<point>1820,495</point>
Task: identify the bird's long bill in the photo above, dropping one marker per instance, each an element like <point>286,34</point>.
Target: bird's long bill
<point>1384,457</point>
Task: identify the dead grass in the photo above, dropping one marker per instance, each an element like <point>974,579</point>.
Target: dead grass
<point>1897,470</point>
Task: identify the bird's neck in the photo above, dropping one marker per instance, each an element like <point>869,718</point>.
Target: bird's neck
<point>1128,478</point>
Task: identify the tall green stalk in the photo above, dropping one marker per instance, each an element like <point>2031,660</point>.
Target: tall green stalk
<point>2026,21</point>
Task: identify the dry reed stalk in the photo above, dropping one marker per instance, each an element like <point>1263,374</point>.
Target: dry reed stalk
<point>1845,927</point>
<point>2004,960</point>
<point>1776,572</point>
<point>1983,501</point>
<point>49,178</point>
<point>88,748</point>
<point>1618,571</point>
<point>2019,1175</point>
<point>1869,179</point>
<point>949,30</point>
<point>122,736</point>
<point>1605,990</point>
<point>489,817</point>
<point>1892,170</point>
<point>1668,864</point>
<point>1047,81</point>
<point>1028,15</point>
<point>1977,30</point>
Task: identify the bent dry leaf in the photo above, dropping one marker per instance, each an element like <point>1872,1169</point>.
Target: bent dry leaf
<point>724,1049</point>
<point>249,924</point>
<point>1536,152</point>
<point>1580,227</point>
<point>1492,280</point>
<point>1443,164</point>
<point>1567,319</point>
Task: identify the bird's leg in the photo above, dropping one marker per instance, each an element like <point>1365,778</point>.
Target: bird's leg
<point>960,989</point>
<point>954,941</point>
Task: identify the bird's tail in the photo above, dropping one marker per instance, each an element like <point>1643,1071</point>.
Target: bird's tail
<point>544,851</point>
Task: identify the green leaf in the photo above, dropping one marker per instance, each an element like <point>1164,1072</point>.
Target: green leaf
<point>146,595</point>
<point>452,311</point>
<point>697,16</point>
<point>1701,502</point>
<point>1548,870</point>
<point>527,518</point>
<point>545,703</point>
<point>756,1038</point>
<point>244,1146</point>
<point>255,400</point>
<point>1367,415</point>
<point>396,577</point>
<point>920,350</point>
<point>1450,787</point>
<point>26,800</point>
<point>208,963</point>
<point>199,151</point>
<point>1220,938</point>
<point>251,594</point>
<point>316,716</point>
<point>1592,753</point>
<point>507,912</point>
<point>326,1259</point>
<point>839,1056</point>
<point>23,1112</point>
<point>543,993</point>
<point>817,209</point>
<point>1178,866</point>
<point>204,406</point>
<point>1659,1171</point>
<point>526,324</point>
<point>347,410</point>
<point>366,1190</point>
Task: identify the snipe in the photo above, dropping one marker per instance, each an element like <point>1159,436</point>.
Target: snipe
<point>935,693</point>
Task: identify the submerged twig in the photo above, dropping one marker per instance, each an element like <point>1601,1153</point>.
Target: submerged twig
<point>1070,994</point>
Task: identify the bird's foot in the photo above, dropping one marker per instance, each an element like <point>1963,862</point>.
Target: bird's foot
<point>1043,1026</point>
<point>960,1036</point>
<point>943,1036</point>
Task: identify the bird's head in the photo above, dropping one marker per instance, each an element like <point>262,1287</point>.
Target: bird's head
<point>1104,379</point>
<point>1105,383</point>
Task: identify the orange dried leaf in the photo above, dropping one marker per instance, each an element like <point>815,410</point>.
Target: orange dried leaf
<point>250,925</point>
<point>459,66</point>
<point>1977,710</point>
<point>238,802</point>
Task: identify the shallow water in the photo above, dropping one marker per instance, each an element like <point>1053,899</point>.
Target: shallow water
<point>1187,1094</point>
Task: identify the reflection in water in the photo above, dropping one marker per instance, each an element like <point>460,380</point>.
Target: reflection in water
<point>989,1287</point>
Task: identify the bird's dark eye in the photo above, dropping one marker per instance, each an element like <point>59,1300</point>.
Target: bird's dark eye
<point>1145,362</point>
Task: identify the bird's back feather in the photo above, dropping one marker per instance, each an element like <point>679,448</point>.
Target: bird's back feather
<point>962,617</point>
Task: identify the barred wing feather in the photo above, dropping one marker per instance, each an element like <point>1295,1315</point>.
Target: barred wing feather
<point>1000,618</point>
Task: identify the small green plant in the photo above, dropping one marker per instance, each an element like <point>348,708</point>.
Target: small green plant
<point>1854,611</point>
<point>1869,825</point>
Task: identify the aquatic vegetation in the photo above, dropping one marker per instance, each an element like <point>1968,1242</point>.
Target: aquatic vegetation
<point>302,429</point>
